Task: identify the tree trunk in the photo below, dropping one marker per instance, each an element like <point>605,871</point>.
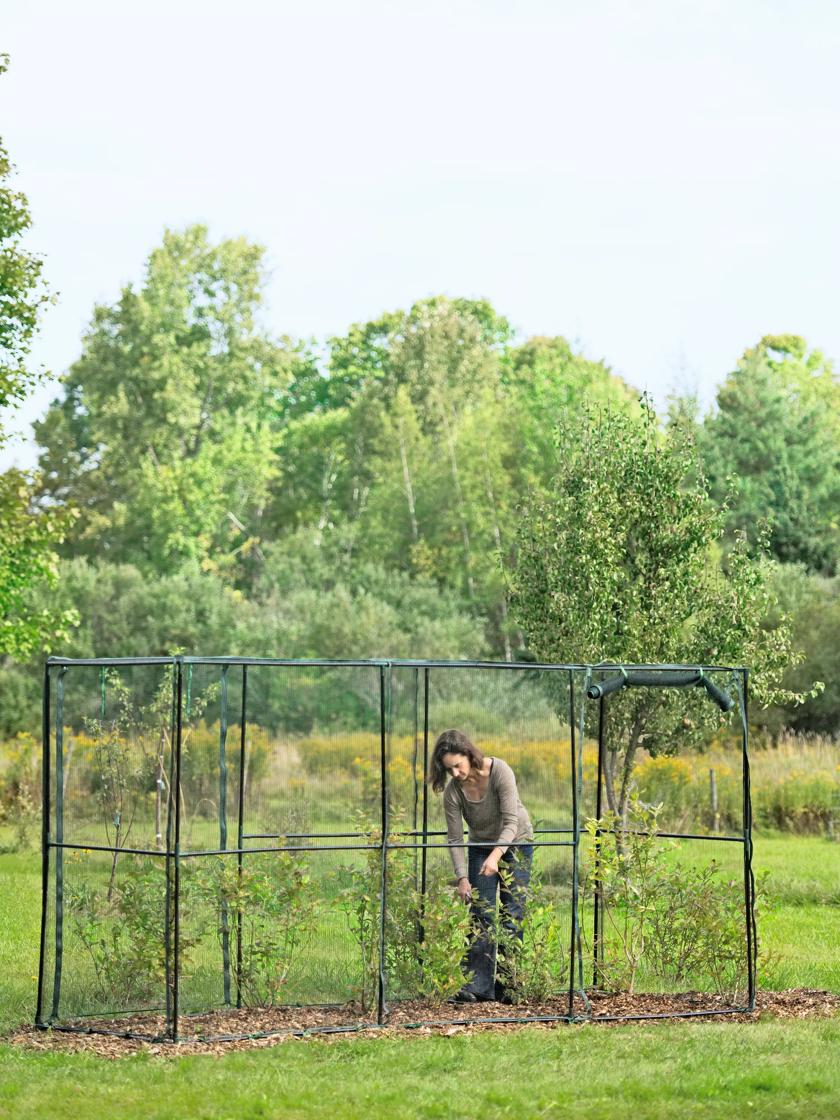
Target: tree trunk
<point>327,483</point>
<point>497,537</point>
<point>456,481</point>
<point>407,483</point>
<point>627,769</point>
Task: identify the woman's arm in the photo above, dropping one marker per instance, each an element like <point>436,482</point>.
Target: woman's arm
<point>455,833</point>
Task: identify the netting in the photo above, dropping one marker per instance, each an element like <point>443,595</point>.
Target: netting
<point>235,847</point>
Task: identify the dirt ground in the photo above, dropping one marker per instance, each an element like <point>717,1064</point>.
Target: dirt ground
<point>213,1033</point>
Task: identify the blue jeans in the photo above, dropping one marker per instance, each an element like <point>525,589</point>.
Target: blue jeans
<point>481,955</point>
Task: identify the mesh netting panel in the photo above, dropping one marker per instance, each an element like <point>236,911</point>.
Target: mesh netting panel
<point>290,864</point>
<point>313,755</point>
<point>105,953</point>
<point>664,908</point>
<point>674,925</point>
<point>522,717</point>
<point>111,755</point>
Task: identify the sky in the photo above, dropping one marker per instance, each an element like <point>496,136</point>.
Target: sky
<point>655,180</point>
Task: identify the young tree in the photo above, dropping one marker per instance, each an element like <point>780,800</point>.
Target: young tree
<point>620,563</point>
<point>30,531</point>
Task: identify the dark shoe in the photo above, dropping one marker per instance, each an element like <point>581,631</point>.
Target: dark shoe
<point>464,996</point>
<point>503,994</point>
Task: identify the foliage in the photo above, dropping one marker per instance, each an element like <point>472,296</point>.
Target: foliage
<point>619,564</point>
<point>537,967</point>
<point>266,911</point>
<point>23,294</point>
<point>775,437</point>
<point>23,812</point>
<point>165,431</point>
<point>425,936</point>
<point>119,776</point>
<point>31,530</point>
<point>680,924</point>
<point>813,604</point>
<point>121,613</point>
<point>545,378</point>
<point>123,928</point>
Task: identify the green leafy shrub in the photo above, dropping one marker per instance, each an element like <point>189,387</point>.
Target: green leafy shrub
<point>537,967</point>
<point>122,928</point>
<point>426,937</point>
<point>678,924</point>
<point>265,912</point>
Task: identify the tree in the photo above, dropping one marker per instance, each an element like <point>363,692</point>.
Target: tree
<point>380,442</point>
<point>619,563</point>
<point>544,377</point>
<point>30,530</point>
<point>422,437</point>
<point>23,293</point>
<point>166,431</point>
<point>775,438</point>
<point>455,341</point>
<point>813,604</point>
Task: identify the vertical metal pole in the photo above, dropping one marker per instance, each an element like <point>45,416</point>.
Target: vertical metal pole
<point>176,948</point>
<point>597,901</point>
<point>59,841</point>
<point>424,850</point>
<point>575,937</point>
<point>240,832</point>
<point>749,882</point>
<point>225,920</point>
<point>381,1007</point>
<point>414,777</point>
<point>167,927</point>
<point>45,839</point>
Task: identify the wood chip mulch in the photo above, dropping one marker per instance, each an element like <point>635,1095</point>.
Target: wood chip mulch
<point>205,1034</point>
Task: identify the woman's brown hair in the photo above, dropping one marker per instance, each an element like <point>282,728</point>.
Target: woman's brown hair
<point>451,742</point>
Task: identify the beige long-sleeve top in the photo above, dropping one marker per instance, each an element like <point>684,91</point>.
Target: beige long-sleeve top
<point>498,819</point>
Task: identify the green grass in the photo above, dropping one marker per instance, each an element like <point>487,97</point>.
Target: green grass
<point>802,870</point>
<point>766,1070</point>
<point>20,925</point>
<point>691,1070</point>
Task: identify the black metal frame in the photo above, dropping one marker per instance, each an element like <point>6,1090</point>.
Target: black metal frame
<point>633,676</point>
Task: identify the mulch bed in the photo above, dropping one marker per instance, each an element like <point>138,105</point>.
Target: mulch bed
<point>423,1018</point>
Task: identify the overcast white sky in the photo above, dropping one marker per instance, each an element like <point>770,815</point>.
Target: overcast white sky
<point>656,180</point>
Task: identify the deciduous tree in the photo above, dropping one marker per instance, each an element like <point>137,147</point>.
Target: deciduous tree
<point>30,531</point>
<point>620,562</point>
<point>775,440</point>
<point>166,431</point>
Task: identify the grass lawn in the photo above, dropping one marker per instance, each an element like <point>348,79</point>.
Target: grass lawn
<point>772,1069</point>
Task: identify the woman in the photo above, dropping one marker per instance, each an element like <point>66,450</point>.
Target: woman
<point>482,791</point>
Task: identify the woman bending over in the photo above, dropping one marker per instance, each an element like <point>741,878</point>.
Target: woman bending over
<point>481,791</point>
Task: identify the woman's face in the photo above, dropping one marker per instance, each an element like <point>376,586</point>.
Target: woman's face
<point>456,765</point>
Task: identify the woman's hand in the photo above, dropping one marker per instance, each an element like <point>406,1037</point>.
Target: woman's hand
<point>464,890</point>
<point>490,865</point>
